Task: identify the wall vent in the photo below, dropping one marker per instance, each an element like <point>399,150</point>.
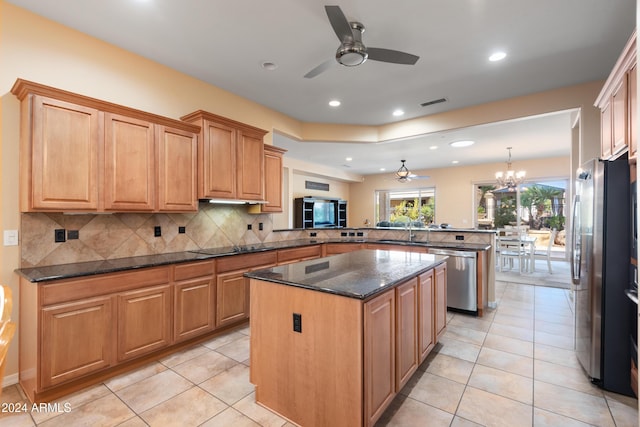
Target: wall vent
<point>435,101</point>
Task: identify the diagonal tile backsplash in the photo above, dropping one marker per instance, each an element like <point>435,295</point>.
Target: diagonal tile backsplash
<point>119,235</point>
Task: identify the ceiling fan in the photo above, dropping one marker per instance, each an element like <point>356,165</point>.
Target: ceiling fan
<point>404,175</point>
<point>352,52</point>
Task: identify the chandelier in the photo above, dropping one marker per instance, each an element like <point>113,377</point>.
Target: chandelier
<point>510,178</point>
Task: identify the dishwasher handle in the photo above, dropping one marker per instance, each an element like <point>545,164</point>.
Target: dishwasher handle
<point>450,252</point>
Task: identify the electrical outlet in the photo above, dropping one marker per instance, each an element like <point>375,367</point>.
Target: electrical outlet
<point>249,227</point>
<point>73,234</point>
<point>360,234</point>
<point>313,234</point>
<point>182,230</point>
<point>157,231</point>
<point>297,322</point>
<point>11,237</point>
<point>459,237</point>
<point>59,235</point>
<point>260,226</point>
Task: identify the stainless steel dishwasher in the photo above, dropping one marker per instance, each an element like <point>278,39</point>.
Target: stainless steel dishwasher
<point>462,285</point>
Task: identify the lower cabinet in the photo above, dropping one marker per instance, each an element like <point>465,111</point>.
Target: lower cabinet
<point>440,273</point>
<point>232,298</point>
<point>144,321</point>
<point>379,355</point>
<point>341,248</point>
<point>77,339</point>
<point>407,309</point>
<point>194,299</point>
<point>426,328</point>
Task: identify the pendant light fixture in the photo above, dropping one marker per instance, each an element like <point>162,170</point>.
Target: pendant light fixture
<point>510,179</point>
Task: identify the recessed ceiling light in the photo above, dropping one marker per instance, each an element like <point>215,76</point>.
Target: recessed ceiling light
<point>497,56</point>
<point>463,143</point>
<point>382,169</point>
<point>269,66</point>
<point>433,147</point>
<point>348,159</point>
<point>334,103</point>
<point>454,162</point>
<point>398,112</point>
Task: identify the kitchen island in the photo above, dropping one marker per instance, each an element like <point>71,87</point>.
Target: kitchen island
<point>333,340</point>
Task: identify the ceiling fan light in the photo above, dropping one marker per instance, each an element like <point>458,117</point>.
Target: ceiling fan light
<point>351,56</point>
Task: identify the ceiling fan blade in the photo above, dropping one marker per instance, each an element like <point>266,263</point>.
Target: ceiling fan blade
<point>339,22</point>
<point>393,56</point>
<point>320,68</point>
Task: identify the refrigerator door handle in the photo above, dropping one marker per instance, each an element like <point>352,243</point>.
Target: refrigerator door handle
<point>576,252</point>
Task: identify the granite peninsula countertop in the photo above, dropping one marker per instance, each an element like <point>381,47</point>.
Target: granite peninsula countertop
<point>359,274</point>
<point>81,269</point>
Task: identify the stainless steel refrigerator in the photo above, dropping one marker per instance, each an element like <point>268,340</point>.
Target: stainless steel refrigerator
<point>600,272</point>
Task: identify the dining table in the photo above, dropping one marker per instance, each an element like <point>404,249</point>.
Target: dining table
<point>528,244</point>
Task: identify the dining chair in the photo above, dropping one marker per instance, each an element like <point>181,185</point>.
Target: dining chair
<point>7,328</point>
<point>545,253</point>
<point>511,248</point>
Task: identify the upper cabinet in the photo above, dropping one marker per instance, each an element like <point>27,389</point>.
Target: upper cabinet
<point>617,103</point>
<point>230,158</point>
<point>86,155</point>
<point>272,181</point>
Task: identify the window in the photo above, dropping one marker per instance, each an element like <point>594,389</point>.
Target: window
<point>541,205</point>
<point>398,208</point>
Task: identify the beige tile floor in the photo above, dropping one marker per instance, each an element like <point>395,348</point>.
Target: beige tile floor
<point>513,367</point>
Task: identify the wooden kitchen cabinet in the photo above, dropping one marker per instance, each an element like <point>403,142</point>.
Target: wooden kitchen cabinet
<point>59,155</point>
<point>144,321</point>
<point>129,164</point>
<point>272,181</point>
<point>407,331</point>
<point>194,299</point>
<point>290,255</point>
<point>440,276</point>
<point>379,355</point>
<point>633,112</point>
<point>82,154</point>
<point>232,292</point>
<point>77,339</point>
<point>232,288</point>
<point>617,103</point>
<point>341,248</point>
<point>230,158</point>
<point>426,310</point>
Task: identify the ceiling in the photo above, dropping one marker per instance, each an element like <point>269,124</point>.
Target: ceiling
<point>549,44</point>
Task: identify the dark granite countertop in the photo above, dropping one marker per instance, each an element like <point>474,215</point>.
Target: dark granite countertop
<point>359,274</point>
<point>80,269</point>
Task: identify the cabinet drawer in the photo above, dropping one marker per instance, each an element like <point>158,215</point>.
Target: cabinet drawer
<point>246,261</point>
<point>193,269</point>
<point>74,289</point>
<point>306,252</point>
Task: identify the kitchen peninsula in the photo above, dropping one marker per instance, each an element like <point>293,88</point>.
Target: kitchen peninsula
<point>334,339</point>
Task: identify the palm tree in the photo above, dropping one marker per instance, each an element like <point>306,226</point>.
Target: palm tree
<point>537,196</point>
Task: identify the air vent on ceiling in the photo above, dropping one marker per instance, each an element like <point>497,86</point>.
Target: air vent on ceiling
<point>435,101</point>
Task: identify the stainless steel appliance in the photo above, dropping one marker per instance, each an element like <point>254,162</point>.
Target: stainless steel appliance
<point>462,289</point>
<point>600,272</point>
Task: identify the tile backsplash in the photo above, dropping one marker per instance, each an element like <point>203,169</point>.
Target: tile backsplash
<point>118,235</point>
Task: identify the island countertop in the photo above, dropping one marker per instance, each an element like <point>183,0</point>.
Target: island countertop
<point>360,274</point>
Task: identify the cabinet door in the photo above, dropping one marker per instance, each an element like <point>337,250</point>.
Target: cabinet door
<point>129,164</point>
<point>144,321</point>
<point>65,143</point>
<point>619,112</point>
<point>406,331</point>
<point>606,131</point>
<point>341,248</point>
<point>426,314</point>
<point>77,339</point>
<point>379,355</point>
<point>195,309</point>
<point>218,175</point>
<point>250,164</point>
<point>441,299</point>
<point>177,170</point>
<point>272,179</point>
<point>232,304</point>
<point>633,118</point>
